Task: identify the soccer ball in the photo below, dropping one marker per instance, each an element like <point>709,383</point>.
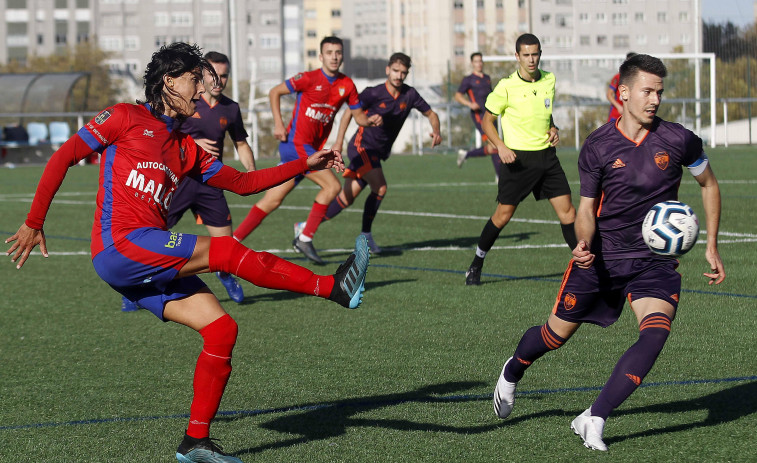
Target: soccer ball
<point>670,228</point>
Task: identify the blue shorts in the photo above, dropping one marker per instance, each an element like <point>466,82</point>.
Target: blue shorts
<point>143,267</point>
<point>288,151</point>
<point>204,200</point>
<point>597,294</point>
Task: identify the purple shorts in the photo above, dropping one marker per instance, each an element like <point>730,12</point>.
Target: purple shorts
<point>362,161</point>
<point>597,294</point>
<point>143,267</point>
<point>204,200</point>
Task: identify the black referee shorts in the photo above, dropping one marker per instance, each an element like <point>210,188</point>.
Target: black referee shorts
<point>537,172</point>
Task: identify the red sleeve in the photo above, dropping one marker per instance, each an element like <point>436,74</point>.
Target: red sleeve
<point>69,154</point>
<point>247,183</point>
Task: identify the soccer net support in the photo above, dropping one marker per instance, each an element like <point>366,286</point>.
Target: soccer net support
<point>568,70</point>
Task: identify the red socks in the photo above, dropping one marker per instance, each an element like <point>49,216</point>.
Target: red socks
<point>264,269</point>
<point>317,212</point>
<point>211,374</point>
<point>250,223</point>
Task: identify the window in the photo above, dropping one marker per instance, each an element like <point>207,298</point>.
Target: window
<point>336,13</point>
<point>584,41</point>
<point>639,17</point>
<point>82,31</point>
<point>312,33</point>
<point>601,40</point>
<point>160,40</point>
<point>458,5</point>
<point>111,43</point>
<point>584,18</point>
<point>619,19</point>
<point>564,20</point>
<point>16,4</point>
<point>601,18</point>
<point>312,54</point>
<point>161,19</point>
<point>685,38</point>
<point>61,32</point>
<point>662,17</point>
<point>641,39</point>
<point>181,18</point>
<point>683,16</point>
<point>459,28</point>
<point>663,39</point>
<point>269,41</point>
<point>545,18</point>
<point>131,42</point>
<point>269,19</point>
<point>212,18</point>
<point>61,4</point>
<point>620,41</point>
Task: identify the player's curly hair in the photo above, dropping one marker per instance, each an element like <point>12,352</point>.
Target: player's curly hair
<point>641,62</point>
<point>171,60</point>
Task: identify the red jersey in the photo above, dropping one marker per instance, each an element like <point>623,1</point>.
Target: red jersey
<point>319,98</point>
<point>614,83</point>
<point>142,162</point>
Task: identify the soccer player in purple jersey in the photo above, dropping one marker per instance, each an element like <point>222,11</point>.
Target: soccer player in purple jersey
<point>216,115</point>
<point>625,168</point>
<point>393,101</point>
<point>472,93</point>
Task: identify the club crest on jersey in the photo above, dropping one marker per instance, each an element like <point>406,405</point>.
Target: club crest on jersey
<point>224,122</point>
<point>403,105</point>
<point>341,91</point>
<point>570,301</point>
<point>298,76</point>
<point>547,102</point>
<point>102,117</point>
<point>662,159</point>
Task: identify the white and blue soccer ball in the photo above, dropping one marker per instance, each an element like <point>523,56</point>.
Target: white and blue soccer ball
<point>670,228</point>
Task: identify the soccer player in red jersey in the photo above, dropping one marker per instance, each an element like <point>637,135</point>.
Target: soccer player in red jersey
<point>215,116</point>
<point>625,168</point>
<point>613,95</point>
<point>393,101</point>
<point>320,94</point>
<point>143,160</point>
<point>472,92</point>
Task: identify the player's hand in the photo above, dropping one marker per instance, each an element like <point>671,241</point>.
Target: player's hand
<point>375,120</point>
<point>207,145</point>
<point>474,107</point>
<point>554,136</point>
<point>506,155</point>
<point>717,271</point>
<point>337,146</point>
<point>24,241</point>
<point>326,159</point>
<point>279,132</point>
<point>436,138</point>
<point>582,255</point>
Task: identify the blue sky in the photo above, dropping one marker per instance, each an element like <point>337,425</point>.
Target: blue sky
<point>739,12</point>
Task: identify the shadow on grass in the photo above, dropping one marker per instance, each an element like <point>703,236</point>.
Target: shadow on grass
<point>722,407</point>
<point>329,420</point>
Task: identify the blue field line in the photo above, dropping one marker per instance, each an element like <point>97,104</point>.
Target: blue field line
<point>551,280</point>
<point>366,403</point>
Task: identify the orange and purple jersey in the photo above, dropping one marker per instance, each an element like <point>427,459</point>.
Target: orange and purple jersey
<point>393,111</point>
<point>212,122</point>
<point>628,178</point>
<point>319,98</point>
<point>476,88</point>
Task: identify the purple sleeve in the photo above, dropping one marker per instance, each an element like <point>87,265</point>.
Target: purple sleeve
<point>464,85</point>
<point>589,171</point>
<point>419,103</point>
<point>236,128</point>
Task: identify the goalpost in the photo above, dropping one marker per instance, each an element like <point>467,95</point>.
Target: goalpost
<point>586,76</point>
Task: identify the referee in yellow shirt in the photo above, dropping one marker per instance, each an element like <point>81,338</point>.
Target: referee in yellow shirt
<point>524,99</point>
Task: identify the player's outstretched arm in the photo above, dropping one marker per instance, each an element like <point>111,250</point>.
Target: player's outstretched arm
<point>433,119</point>
<point>363,120</point>
<point>586,226</point>
<point>274,97</point>
<point>24,241</point>
<point>711,203</point>
<point>30,234</point>
<point>506,155</point>
<point>342,131</point>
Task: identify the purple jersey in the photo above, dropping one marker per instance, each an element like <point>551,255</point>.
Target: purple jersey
<point>629,178</point>
<point>476,88</point>
<point>212,122</point>
<point>394,111</point>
